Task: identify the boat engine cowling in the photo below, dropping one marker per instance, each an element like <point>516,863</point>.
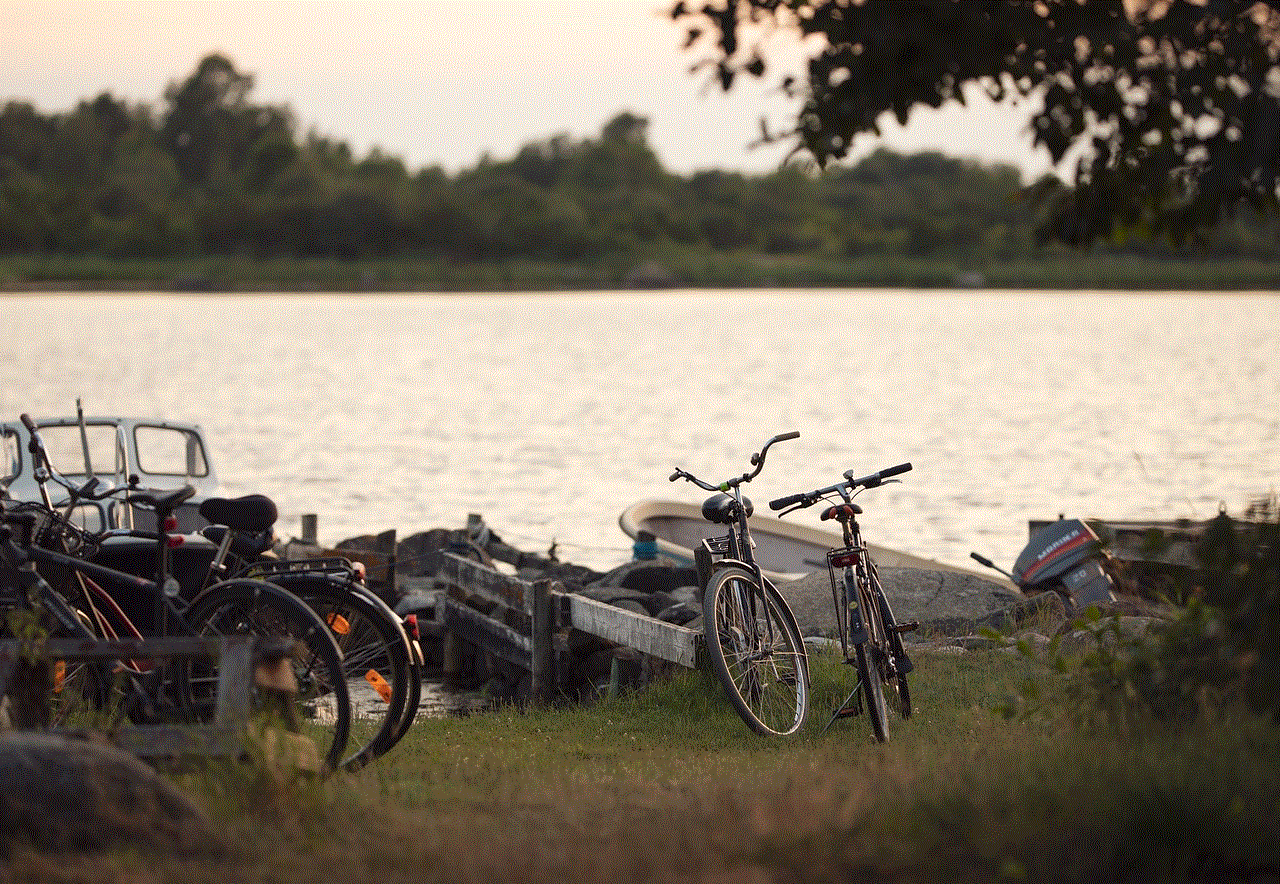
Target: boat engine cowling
<point>1069,553</point>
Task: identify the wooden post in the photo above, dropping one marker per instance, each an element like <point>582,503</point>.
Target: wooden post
<point>542,676</point>
<point>309,531</point>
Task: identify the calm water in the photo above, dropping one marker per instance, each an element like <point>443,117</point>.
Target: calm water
<point>549,414</point>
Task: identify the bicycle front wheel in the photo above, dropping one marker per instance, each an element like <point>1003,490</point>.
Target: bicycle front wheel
<point>756,652</point>
<point>320,707</point>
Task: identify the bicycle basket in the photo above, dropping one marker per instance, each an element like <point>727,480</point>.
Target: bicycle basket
<point>707,552</point>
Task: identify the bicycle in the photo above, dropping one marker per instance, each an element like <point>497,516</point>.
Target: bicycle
<point>236,545</point>
<point>864,617</point>
<point>30,532</point>
<point>379,653</point>
<point>752,638</point>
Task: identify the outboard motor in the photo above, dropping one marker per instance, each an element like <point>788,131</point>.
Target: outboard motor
<point>1067,557</point>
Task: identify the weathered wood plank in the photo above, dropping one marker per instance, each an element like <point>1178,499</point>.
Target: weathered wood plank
<point>487,583</point>
<point>667,641</point>
<point>223,737</point>
<point>487,633</point>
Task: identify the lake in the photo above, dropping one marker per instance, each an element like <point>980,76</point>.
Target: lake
<point>548,414</point>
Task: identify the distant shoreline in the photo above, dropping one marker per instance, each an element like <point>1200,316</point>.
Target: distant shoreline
<point>234,275</point>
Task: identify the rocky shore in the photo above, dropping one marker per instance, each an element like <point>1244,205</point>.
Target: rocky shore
<point>956,609</point>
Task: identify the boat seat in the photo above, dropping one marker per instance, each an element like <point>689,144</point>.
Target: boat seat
<point>842,512</point>
<point>723,508</point>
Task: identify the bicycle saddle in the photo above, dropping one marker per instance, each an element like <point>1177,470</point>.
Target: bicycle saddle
<point>723,509</point>
<point>841,512</point>
<point>251,513</point>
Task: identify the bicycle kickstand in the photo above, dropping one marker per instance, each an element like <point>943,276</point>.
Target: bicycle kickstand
<point>846,709</point>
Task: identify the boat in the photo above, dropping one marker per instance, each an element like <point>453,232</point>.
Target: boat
<point>785,550</point>
<point>158,455</point>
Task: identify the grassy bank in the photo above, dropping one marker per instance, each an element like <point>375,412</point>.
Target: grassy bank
<point>230,274</point>
<point>669,785</point>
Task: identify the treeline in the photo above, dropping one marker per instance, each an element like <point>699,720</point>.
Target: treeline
<point>211,173</point>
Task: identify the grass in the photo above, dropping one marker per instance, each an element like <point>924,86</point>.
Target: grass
<point>668,785</point>
<point>690,269</point>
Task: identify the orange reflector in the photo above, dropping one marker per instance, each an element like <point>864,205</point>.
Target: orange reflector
<point>379,684</point>
<point>171,523</point>
<point>59,673</point>
<point>844,560</point>
<point>338,623</point>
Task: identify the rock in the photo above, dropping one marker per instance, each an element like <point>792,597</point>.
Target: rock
<point>649,575</point>
<point>680,613</point>
<point>59,794</point>
<point>939,600</point>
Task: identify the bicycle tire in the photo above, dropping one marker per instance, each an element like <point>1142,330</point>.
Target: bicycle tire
<point>375,659</point>
<point>869,662</point>
<point>321,706</point>
<point>872,692</point>
<point>768,684</point>
<point>413,702</point>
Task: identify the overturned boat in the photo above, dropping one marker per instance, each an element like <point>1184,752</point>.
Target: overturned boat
<point>785,550</point>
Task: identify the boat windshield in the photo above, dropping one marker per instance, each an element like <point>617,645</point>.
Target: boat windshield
<point>67,451</point>
<point>169,451</point>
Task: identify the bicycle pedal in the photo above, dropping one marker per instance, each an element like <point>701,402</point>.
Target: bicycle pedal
<point>909,626</point>
<point>846,712</point>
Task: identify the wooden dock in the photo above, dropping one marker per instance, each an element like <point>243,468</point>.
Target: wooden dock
<point>531,625</point>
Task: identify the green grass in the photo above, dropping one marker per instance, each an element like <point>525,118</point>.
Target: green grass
<point>668,785</point>
<point>690,269</point>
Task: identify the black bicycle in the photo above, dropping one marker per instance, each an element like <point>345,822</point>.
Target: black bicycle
<point>45,569</point>
<point>381,663</point>
<point>870,637</point>
<point>753,639</point>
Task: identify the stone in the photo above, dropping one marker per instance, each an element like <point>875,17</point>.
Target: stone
<point>60,794</point>
<point>942,600</point>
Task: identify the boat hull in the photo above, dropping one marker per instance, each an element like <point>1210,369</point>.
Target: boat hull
<point>785,550</point>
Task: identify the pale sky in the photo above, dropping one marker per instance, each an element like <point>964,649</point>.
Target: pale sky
<point>446,81</point>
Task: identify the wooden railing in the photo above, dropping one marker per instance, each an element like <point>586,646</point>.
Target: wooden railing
<point>517,620</point>
<point>223,735</point>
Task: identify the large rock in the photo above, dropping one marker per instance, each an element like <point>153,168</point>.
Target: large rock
<point>941,601</point>
<point>59,794</point>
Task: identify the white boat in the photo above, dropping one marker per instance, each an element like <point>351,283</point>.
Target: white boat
<point>785,550</point>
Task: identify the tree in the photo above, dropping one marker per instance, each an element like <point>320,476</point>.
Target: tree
<point>1172,105</point>
<point>210,127</point>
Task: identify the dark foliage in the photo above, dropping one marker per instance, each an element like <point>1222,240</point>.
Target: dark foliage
<point>1171,107</point>
<point>212,173</point>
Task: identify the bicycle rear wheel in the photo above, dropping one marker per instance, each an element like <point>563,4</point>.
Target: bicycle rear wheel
<point>321,707</point>
<point>375,659</point>
<point>897,692</point>
<point>756,652</point>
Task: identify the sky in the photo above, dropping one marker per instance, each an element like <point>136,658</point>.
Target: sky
<point>445,82</point>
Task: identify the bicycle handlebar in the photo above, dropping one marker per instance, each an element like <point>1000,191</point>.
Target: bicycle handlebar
<point>757,461</point>
<point>809,498</point>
